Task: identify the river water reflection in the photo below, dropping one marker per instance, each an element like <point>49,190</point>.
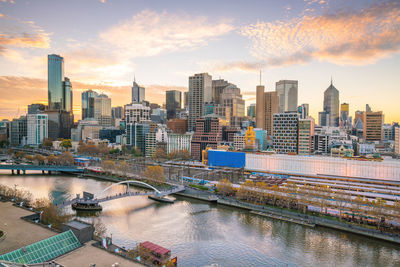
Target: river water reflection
<point>203,234</point>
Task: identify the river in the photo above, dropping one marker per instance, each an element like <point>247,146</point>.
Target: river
<point>203,234</point>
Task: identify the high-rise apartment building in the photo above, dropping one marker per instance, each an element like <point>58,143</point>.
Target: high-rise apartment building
<point>208,133</point>
<point>137,113</point>
<point>373,126</point>
<point>173,102</point>
<point>331,105</point>
<point>200,92</point>
<point>287,95</point>
<point>285,133</point>
<point>306,129</point>
<point>266,107</point>
<point>138,93</point>
<point>37,128</point>
<point>88,98</point>
<point>102,110</point>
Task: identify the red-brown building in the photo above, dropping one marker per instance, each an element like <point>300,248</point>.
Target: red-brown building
<point>178,126</point>
<point>208,133</point>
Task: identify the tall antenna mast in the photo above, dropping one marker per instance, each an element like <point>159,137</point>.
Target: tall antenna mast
<point>260,77</point>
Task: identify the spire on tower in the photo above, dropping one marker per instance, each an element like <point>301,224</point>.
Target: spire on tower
<point>260,77</point>
<point>331,80</point>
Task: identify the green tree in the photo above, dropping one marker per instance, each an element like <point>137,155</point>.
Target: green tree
<point>66,144</point>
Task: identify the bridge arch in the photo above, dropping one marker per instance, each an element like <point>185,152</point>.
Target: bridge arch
<point>128,182</point>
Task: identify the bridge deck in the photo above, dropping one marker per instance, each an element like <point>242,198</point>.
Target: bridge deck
<point>122,195</point>
<point>22,167</point>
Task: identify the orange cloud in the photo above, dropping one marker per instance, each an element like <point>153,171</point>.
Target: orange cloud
<point>343,38</point>
<point>235,66</point>
<point>22,91</point>
<point>24,34</point>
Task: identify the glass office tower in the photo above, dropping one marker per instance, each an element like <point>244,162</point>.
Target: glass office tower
<point>55,80</point>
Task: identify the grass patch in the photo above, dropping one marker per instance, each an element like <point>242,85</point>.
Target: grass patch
<point>201,187</point>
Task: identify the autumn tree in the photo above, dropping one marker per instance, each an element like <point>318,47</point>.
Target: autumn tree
<point>108,165</point>
<point>51,159</point>
<point>39,159</point>
<point>155,173</point>
<point>124,167</point>
<point>159,153</point>
<point>47,143</point>
<point>66,158</point>
<point>224,187</point>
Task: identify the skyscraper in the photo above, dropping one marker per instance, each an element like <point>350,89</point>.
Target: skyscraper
<point>200,92</point>
<point>173,100</point>
<point>266,106</point>
<point>287,95</point>
<point>102,110</point>
<point>67,91</point>
<point>88,104</point>
<point>344,115</point>
<point>218,87</point>
<point>373,126</point>
<point>138,93</point>
<point>286,132</point>
<point>55,78</point>
<point>303,110</point>
<point>59,87</point>
<point>331,105</point>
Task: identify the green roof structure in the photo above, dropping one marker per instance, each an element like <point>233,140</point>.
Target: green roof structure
<point>44,250</point>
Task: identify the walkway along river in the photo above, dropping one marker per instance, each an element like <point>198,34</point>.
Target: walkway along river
<point>204,234</point>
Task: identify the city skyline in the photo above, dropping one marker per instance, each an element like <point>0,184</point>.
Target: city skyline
<point>227,44</point>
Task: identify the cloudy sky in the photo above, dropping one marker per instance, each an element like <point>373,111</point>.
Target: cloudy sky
<point>106,42</point>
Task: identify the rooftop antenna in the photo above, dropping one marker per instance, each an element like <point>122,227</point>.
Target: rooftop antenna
<point>134,78</point>
<point>331,79</point>
<point>260,77</point>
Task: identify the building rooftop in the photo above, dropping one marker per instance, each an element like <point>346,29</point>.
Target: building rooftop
<point>155,248</point>
<point>43,250</point>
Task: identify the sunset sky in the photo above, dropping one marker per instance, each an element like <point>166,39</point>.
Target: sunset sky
<point>106,42</point>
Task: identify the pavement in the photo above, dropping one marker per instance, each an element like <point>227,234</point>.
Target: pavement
<point>19,232</point>
<point>88,255</point>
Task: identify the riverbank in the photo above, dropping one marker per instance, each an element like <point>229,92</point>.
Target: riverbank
<point>286,215</point>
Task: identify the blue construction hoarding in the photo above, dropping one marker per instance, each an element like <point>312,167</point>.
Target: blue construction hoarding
<point>222,158</point>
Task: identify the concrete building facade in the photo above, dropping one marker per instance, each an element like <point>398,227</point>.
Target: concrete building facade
<point>200,92</point>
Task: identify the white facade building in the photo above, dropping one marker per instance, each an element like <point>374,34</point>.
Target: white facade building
<point>178,142</point>
<point>137,113</point>
<point>37,128</point>
<point>317,165</point>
